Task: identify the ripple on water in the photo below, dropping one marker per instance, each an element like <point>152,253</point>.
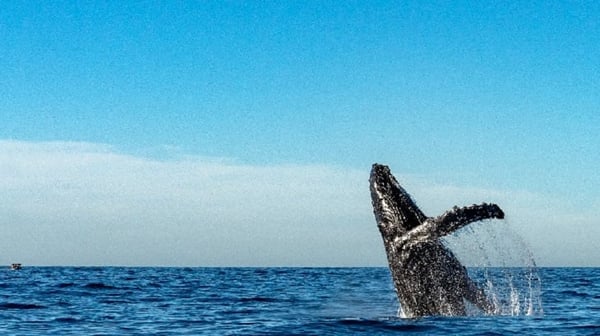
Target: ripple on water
<point>301,301</point>
<point>18,306</point>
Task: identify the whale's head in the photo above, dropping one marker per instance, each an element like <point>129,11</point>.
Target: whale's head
<point>395,212</point>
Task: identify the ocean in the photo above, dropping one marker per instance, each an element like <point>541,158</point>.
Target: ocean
<point>275,301</point>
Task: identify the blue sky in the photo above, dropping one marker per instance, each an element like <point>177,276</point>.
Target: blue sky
<point>294,101</point>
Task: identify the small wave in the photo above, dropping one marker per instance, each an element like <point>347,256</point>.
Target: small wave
<point>67,319</point>
<point>114,301</point>
<point>240,312</point>
<point>257,299</point>
<point>98,285</point>
<point>151,299</point>
<point>585,282</point>
<point>65,285</point>
<point>13,305</point>
<point>573,293</point>
<point>260,271</point>
<point>391,324</point>
<point>587,327</point>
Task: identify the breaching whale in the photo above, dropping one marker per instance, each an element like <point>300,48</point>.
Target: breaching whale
<point>428,278</point>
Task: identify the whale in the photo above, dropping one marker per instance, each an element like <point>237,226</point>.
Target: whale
<point>428,278</point>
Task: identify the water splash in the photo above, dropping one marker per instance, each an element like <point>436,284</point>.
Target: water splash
<point>502,263</point>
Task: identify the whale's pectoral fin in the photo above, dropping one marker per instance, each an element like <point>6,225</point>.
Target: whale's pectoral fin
<point>450,221</point>
<point>457,218</point>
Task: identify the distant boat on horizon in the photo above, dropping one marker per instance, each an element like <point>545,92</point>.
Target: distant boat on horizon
<point>16,266</point>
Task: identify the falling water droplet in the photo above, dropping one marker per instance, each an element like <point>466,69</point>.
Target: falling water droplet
<point>501,261</point>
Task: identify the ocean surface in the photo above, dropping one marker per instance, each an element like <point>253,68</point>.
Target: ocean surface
<point>278,301</point>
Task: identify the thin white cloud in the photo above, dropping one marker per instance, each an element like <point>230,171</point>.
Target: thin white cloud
<point>77,203</point>
<point>80,203</point>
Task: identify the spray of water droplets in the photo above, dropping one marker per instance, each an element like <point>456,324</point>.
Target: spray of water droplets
<point>502,263</point>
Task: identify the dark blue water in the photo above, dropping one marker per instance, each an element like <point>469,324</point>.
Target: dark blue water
<point>265,301</point>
